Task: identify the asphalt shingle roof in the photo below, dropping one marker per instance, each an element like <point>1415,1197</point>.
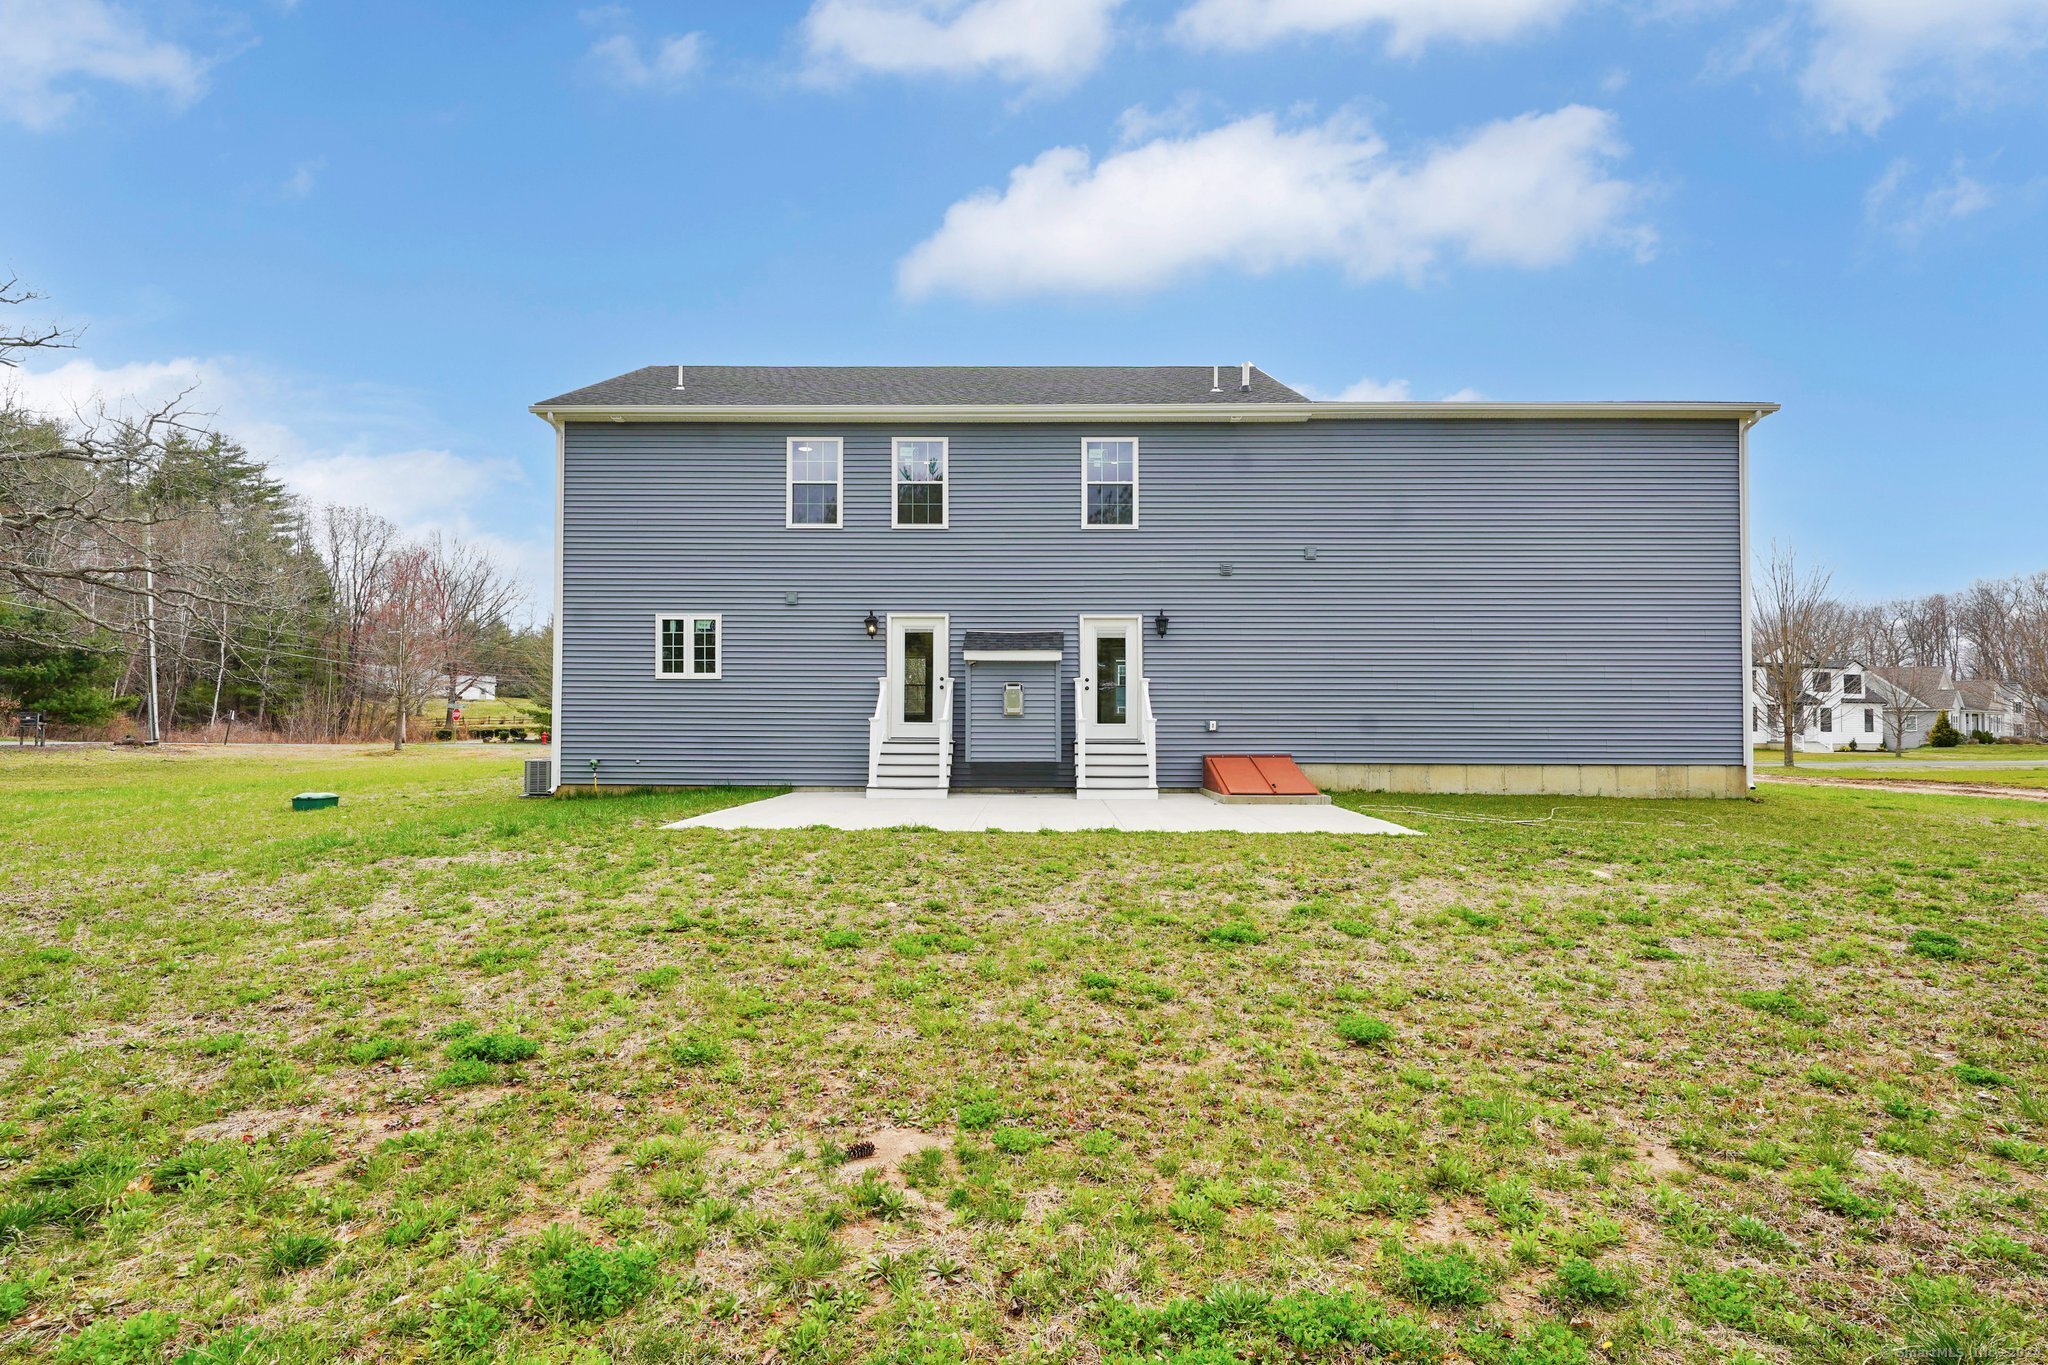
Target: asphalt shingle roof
<point>922,385</point>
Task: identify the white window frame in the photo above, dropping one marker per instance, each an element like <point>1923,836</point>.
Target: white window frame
<point>789,482</point>
<point>717,620</point>
<point>945,520</point>
<point>1130,525</point>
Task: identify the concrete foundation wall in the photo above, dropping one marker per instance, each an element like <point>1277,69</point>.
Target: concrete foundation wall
<point>1697,781</point>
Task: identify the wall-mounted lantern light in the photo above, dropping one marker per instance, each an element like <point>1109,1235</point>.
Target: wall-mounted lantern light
<point>872,624</point>
<point>1159,624</point>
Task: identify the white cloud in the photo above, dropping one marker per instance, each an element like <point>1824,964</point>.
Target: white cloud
<point>1260,196</point>
<point>304,178</point>
<point>1370,390</point>
<point>1037,42</point>
<point>1410,24</point>
<point>49,47</point>
<point>668,65</point>
<point>1867,55</point>
<point>352,444</point>
<point>1908,214</point>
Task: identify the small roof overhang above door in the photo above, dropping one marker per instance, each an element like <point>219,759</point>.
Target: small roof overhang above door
<point>1014,646</point>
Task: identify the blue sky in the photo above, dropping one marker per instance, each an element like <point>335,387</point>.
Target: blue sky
<point>375,232</point>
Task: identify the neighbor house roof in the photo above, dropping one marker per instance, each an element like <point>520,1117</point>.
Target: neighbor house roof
<point>1927,686</point>
<point>1980,694</point>
<point>926,386</point>
<point>1005,393</point>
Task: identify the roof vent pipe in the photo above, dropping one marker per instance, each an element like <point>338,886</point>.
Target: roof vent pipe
<point>1245,385</point>
<point>679,379</point>
<point>1215,379</point>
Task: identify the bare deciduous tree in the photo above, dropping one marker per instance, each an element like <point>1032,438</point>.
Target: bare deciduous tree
<point>1798,625</point>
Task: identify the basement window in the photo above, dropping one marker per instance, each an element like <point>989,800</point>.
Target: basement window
<point>689,646</point>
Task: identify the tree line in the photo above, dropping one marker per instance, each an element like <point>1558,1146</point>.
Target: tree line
<point>1996,630</point>
<point>153,571</point>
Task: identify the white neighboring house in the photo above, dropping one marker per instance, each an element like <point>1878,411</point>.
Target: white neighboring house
<point>1840,702</point>
<point>378,680</point>
<point>1885,708</point>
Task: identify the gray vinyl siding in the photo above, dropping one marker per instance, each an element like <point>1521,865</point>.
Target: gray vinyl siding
<point>993,737</point>
<point>1483,591</point>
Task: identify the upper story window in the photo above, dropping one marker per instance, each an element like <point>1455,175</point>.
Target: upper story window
<point>689,646</point>
<point>1852,684</point>
<point>920,482</point>
<point>817,478</point>
<point>1109,481</point>
<point>1821,682</point>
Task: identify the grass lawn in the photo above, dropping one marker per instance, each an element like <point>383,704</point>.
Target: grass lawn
<point>446,1074</point>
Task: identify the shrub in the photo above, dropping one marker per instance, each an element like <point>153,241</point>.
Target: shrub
<point>1944,735</point>
<point>1361,1031</point>
<point>1983,737</point>
<point>576,1281</point>
<point>1581,1281</point>
<point>1450,1279</point>
<point>443,733</point>
<point>503,1048</point>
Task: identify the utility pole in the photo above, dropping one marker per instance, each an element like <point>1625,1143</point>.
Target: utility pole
<point>156,733</point>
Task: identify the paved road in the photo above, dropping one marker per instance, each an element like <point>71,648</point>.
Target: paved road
<point>1945,766</point>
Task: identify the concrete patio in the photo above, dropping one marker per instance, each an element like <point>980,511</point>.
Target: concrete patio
<point>1177,812</point>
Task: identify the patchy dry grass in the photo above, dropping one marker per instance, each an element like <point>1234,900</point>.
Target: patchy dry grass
<point>445,1074</point>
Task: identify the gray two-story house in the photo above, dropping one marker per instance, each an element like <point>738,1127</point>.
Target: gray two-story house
<point>916,579</point>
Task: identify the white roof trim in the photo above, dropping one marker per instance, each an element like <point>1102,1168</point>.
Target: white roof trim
<point>1014,656</point>
<point>1147,412</point>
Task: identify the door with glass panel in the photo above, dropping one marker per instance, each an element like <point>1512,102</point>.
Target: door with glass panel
<point>1112,663</point>
<point>918,668</point>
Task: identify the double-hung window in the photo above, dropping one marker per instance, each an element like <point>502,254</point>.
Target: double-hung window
<point>690,645</point>
<point>920,482</point>
<point>1109,481</point>
<point>1827,720</point>
<point>817,478</point>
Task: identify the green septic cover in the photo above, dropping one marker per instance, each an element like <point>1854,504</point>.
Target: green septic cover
<point>315,800</point>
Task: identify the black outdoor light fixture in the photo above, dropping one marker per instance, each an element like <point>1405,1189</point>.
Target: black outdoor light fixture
<point>872,624</point>
<point>1159,624</point>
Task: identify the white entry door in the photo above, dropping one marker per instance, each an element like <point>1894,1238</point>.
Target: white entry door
<point>1112,661</point>
<point>919,650</point>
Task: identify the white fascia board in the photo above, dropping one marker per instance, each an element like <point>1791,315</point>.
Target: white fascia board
<point>1012,656</point>
<point>1146,412</point>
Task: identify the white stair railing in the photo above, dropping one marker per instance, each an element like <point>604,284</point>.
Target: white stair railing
<point>1082,698</point>
<point>878,730</point>
<point>1150,731</point>
<point>945,732</point>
